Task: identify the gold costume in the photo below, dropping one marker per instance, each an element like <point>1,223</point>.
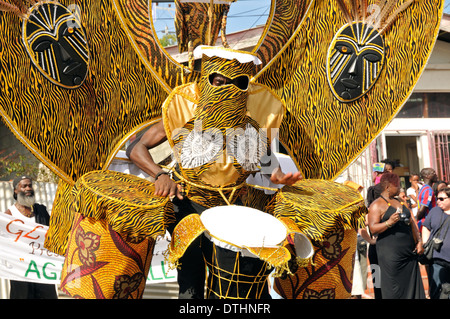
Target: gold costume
<point>75,114</point>
<point>220,119</point>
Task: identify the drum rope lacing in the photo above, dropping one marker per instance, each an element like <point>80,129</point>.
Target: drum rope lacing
<point>220,190</point>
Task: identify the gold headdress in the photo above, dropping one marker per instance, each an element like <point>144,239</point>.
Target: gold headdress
<point>18,7</point>
<point>379,15</point>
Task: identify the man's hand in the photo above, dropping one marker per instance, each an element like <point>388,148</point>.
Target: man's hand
<point>278,177</point>
<point>165,186</point>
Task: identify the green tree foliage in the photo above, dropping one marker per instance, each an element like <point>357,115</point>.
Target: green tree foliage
<point>13,164</point>
<point>168,39</point>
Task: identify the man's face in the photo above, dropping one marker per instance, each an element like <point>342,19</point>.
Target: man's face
<point>241,82</point>
<point>25,193</point>
<point>25,187</point>
<point>433,176</point>
<point>219,80</point>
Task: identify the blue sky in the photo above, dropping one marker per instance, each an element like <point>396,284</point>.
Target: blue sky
<point>244,14</point>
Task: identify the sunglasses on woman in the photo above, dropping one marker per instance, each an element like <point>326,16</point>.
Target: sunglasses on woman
<point>442,198</point>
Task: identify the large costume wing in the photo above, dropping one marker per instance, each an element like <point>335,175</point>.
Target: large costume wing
<point>76,128</point>
<point>73,88</point>
<point>73,127</point>
<point>326,128</point>
<point>78,78</point>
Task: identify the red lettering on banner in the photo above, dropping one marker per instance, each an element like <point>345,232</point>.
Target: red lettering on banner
<point>35,238</point>
<point>19,232</point>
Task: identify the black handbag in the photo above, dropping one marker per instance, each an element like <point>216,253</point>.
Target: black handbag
<point>445,291</point>
<point>433,243</point>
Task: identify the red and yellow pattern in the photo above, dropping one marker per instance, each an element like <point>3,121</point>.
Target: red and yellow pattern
<point>102,264</point>
<point>329,276</point>
<point>111,242</point>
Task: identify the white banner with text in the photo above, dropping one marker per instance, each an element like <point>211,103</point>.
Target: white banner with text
<point>23,256</point>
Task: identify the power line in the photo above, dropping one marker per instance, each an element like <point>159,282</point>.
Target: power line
<point>252,25</point>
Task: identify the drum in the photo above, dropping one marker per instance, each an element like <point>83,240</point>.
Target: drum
<point>319,207</point>
<point>329,213</point>
<point>242,246</point>
<point>112,238</point>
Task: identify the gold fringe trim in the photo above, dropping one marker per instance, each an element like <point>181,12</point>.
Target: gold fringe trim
<point>285,269</point>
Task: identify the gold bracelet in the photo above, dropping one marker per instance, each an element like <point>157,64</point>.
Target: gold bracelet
<point>387,225</point>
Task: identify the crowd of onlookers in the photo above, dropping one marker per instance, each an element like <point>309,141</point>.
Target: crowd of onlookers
<point>398,225</point>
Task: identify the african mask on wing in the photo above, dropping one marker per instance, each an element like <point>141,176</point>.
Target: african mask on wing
<point>328,124</point>
<point>355,60</point>
<point>56,43</point>
<point>356,54</point>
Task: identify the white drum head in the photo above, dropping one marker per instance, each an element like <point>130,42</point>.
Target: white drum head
<point>243,226</point>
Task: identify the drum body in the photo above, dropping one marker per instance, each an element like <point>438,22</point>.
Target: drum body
<point>241,246</point>
<point>232,276</point>
<point>329,213</point>
<point>329,276</point>
<point>110,246</point>
<point>103,264</point>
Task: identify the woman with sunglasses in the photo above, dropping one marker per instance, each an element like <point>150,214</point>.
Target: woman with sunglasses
<point>439,218</point>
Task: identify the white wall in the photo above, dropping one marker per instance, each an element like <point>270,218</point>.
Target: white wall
<point>436,77</point>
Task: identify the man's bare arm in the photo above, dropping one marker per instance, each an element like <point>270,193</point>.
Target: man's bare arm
<point>139,155</point>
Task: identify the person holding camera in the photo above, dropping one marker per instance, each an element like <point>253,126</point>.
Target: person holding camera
<point>398,243</point>
<point>436,226</point>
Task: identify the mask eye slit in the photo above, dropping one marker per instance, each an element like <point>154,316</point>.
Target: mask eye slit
<point>241,82</point>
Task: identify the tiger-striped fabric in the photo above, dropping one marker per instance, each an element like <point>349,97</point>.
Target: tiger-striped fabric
<point>329,214</point>
<point>218,111</point>
<point>80,130</point>
<point>319,207</point>
<point>256,198</point>
<point>284,19</point>
<point>75,131</point>
<point>322,134</point>
<point>61,219</point>
<point>192,23</point>
<point>237,272</point>
<point>126,202</point>
<point>103,264</point>
<point>136,20</point>
<point>109,250</point>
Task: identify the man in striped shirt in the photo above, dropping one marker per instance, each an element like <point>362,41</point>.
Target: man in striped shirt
<point>426,197</point>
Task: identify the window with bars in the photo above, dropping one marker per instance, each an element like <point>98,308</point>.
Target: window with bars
<point>442,153</point>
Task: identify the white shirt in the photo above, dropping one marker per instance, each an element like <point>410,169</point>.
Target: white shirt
<point>412,191</point>
<point>16,213</point>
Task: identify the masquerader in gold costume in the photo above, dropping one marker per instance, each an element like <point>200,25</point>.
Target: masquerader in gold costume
<point>220,129</point>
